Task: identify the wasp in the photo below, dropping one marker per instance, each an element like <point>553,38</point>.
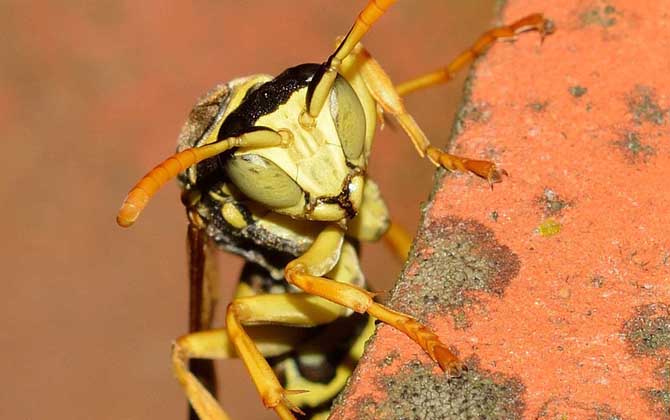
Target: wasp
<point>274,169</point>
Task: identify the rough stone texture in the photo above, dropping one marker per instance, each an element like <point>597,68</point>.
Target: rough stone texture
<point>581,124</point>
<point>416,391</point>
<point>451,259</point>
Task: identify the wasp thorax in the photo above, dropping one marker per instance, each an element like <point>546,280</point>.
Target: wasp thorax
<point>318,172</point>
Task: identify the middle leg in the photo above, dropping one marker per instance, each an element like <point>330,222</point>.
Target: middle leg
<point>398,240</point>
<point>382,90</point>
<point>388,96</point>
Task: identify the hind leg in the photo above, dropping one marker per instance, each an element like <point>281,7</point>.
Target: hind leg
<point>251,344</point>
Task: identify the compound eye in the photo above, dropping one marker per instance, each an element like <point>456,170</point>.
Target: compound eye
<point>264,182</point>
<point>349,117</point>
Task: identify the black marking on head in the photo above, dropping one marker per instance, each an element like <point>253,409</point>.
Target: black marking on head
<point>266,98</point>
<point>343,199</point>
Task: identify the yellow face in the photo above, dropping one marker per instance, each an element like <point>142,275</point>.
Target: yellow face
<point>320,173</point>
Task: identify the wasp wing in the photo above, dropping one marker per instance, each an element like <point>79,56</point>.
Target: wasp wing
<point>203,294</point>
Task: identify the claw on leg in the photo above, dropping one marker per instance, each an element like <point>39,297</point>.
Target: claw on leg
<point>284,407</point>
<point>361,301</point>
<point>449,363</point>
<point>286,402</point>
<point>535,22</point>
<point>482,168</point>
<point>485,169</point>
<point>425,338</point>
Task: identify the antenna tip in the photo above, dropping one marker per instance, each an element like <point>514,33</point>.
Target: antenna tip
<point>127,215</point>
<point>132,206</point>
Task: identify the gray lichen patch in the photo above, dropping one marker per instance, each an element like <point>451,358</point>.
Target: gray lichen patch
<point>644,107</point>
<point>577,91</point>
<point>659,398</point>
<point>633,149</point>
<point>648,331</point>
<point>479,112</point>
<point>538,106</point>
<point>603,15</point>
<point>660,401</point>
<point>389,359</point>
<point>648,334</point>
<point>551,203</point>
<point>415,392</point>
<point>451,257</point>
<point>566,408</point>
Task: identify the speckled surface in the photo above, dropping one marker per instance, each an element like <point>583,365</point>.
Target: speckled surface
<point>582,125</point>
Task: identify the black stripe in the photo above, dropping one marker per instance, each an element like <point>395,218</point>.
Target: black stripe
<point>265,99</point>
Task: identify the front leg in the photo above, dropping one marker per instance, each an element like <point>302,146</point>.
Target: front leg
<point>382,90</point>
<point>305,272</point>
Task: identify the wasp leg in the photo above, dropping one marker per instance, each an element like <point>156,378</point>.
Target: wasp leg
<point>305,272</point>
<point>296,309</point>
<point>399,240</point>
<point>535,22</point>
<point>322,83</point>
<point>381,88</point>
<point>325,345</point>
<point>212,344</point>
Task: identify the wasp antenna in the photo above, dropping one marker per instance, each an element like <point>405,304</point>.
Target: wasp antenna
<point>141,193</point>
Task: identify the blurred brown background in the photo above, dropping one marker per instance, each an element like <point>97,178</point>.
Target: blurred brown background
<point>92,94</point>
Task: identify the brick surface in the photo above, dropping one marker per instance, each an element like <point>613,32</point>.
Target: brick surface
<point>554,287</point>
